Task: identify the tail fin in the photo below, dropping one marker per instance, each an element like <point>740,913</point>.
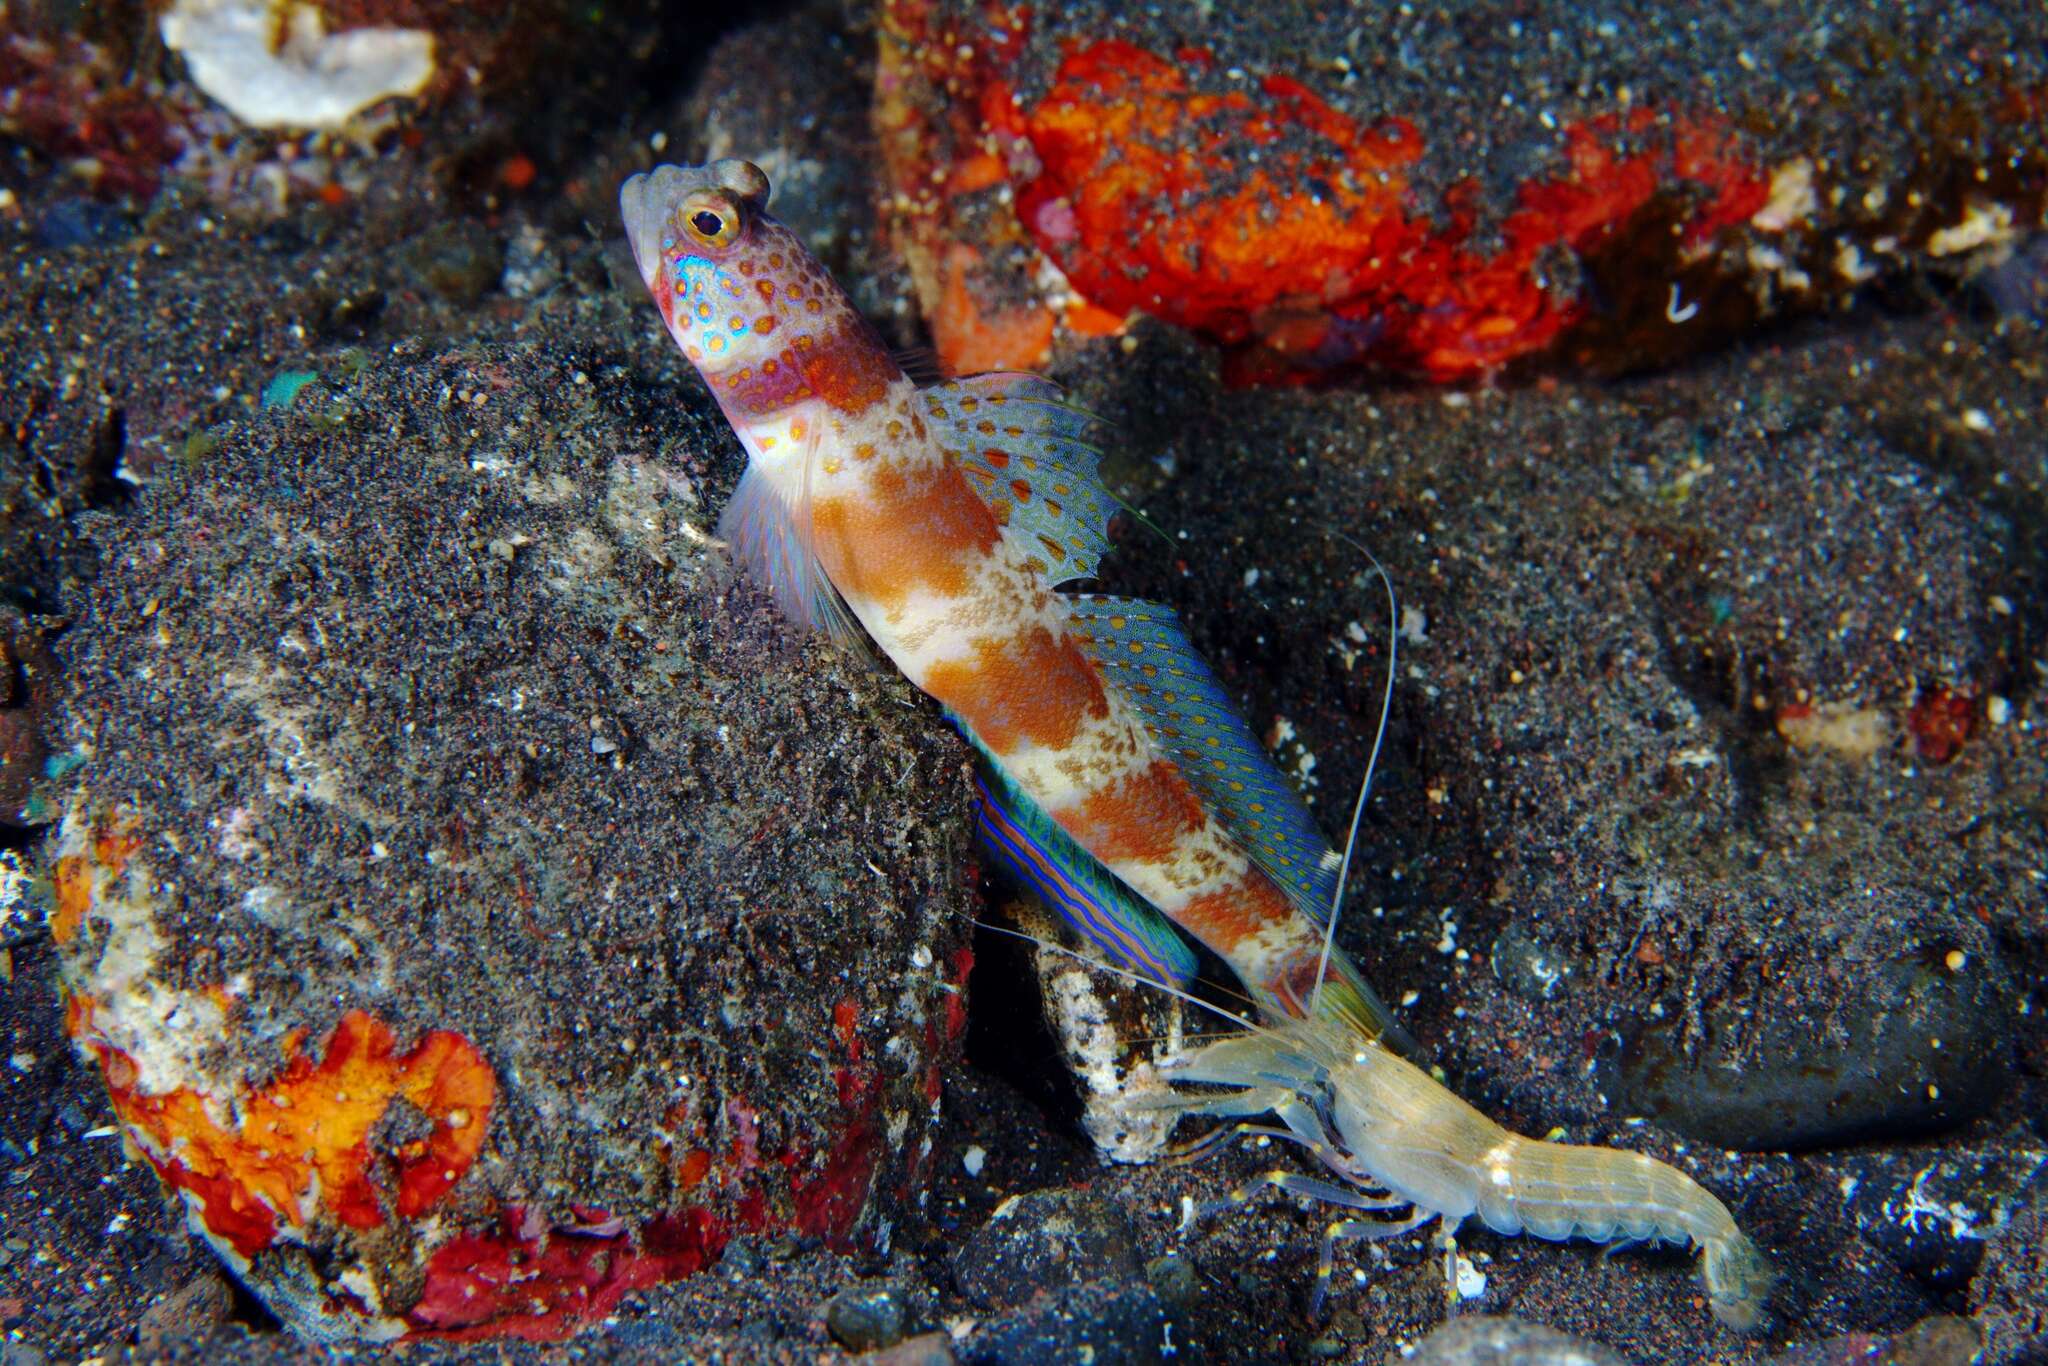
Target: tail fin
<point>1344,996</point>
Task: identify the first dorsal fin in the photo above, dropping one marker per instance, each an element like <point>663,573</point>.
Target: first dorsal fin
<point>1028,454</point>
<point>1145,654</point>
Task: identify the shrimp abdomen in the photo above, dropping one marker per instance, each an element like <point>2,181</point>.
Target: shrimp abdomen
<point>1559,1191</point>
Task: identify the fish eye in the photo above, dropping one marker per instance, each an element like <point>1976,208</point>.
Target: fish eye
<point>713,219</point>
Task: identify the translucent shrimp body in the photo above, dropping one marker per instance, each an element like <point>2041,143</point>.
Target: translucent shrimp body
<point>1398,1138</point>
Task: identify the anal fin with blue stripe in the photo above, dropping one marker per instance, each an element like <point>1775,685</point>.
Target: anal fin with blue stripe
<point>1032,847</point>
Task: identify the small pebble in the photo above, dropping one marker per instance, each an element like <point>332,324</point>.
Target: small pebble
<point>1174,1278</point>
<point>863,1318</point>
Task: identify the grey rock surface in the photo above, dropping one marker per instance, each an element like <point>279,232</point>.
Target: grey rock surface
<point>1042,1241</point>
<point>1486,1340</point>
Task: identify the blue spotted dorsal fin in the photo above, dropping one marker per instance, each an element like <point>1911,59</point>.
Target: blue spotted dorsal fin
<point>1067,878</point>
<point>1029,456</point>
<point>1145,654</point>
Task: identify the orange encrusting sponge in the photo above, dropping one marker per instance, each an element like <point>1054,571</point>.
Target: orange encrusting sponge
<point>256,1173</point>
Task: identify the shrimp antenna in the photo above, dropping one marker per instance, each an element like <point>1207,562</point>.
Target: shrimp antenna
<point>1137,978</point>
<point>1371,762</point>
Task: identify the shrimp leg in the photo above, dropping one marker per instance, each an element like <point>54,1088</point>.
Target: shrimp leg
<point>1351,1231</point>
<point>1294,1183</point>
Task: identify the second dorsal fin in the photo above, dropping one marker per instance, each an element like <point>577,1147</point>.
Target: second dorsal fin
<point>1027,453</point>
<point>1145,654</point>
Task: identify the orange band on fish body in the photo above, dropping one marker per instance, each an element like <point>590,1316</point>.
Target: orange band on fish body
<point>849,367</point>
<point>1037,688</point>
<point>912,530</point>
<point>1236,912</point>
<point>1139,818</point>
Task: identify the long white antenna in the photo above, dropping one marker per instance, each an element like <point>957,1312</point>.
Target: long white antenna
<point>1117,970</point>
<point>1371,762</point>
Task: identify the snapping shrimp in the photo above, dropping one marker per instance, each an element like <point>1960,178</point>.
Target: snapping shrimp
<point>1399,1140</point>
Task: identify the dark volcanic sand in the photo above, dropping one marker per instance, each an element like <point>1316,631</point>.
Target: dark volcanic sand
<point>1614,888</point>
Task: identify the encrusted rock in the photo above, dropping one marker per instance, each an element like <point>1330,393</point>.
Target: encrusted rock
<point>1443,193</point>
<point>476,906</point>
<point>1114,1032</point>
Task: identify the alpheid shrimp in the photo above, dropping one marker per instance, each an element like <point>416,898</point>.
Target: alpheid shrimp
<point>1399,1140</point>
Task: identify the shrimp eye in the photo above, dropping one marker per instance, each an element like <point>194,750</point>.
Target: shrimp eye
<point>712,218</point>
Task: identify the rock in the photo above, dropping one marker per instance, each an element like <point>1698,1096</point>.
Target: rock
<point>2009,1295</point>
<point>1487,1340</point>
<point>476,907</point>
<point>1042,1241</point>
<point>1914,1050</point>
<point>862,1318</point>
<point>1174,1277</point>
<point>82,223</point>
<point>926,1349</point>
<point>1098,1322</point>
<point>193,1310</point>
<point>1318,192</point>
<point>1530,968</point>
<point>460,260</point>
<point>1943,1340</point>
<point>1935,1212</point>
<point>1940,1340</point>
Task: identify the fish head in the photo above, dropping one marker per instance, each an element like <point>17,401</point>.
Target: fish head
<point>739,291</point>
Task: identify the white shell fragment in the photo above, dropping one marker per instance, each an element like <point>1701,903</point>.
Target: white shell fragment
<point>274,65</point>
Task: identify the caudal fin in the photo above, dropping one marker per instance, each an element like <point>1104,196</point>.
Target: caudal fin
<point>1346,997</point>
